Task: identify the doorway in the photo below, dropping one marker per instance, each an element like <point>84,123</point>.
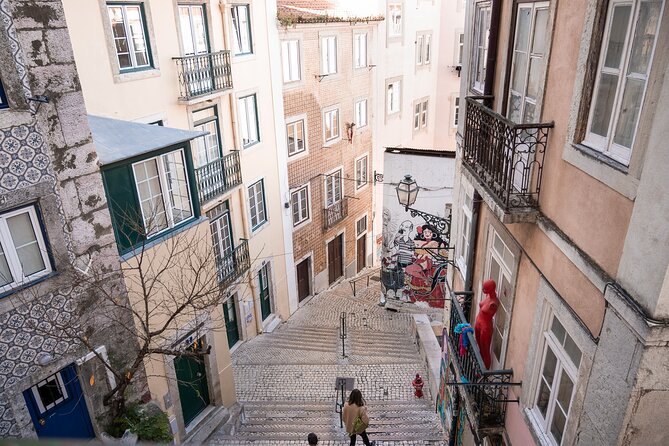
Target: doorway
<point>335,258</point>
<point>192,382</point>
<point>57,406</point>
<point>265,293</point>
<point>230,315</point>
<point>303,279</point>
<point>361,252</point>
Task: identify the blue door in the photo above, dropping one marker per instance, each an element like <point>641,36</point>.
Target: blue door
<point>57,406</point>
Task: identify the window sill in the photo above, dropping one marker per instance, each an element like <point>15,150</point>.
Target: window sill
<point>248,146</point>
<point>27,285</point>
<point>604,169</point>
<point>135,75</point>
<point>301,225</point>
<point>132,252</point>
<point>361,189</point>
<point>535,429</point>
<point>332,142</point>
<point>297,156</point>
<point>243,57</point>
<point>255,231</point>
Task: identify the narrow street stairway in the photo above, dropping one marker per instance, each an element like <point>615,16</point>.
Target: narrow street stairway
<point>286,379</point>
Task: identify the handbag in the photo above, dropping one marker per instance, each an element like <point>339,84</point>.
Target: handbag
<point>361,422</point>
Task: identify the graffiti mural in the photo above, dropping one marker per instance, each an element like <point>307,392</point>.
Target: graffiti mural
<point>413,261</point>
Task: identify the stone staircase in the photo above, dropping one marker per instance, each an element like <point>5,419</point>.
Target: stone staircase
<point>320,339</point>
<point>266,422</point>
<point>401,347</point>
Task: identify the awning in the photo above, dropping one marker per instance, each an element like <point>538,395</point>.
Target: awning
<point>117,140</point>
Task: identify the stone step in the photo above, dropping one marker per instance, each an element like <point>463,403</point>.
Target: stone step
<point>290,346</point>
<point>306,333</point>
<point>286,338</point>
<point>432,437</point>
<point>415,420</point>
<point>421,404</point>
<point>293,328</point>
<point>274,429</point>
<point>382,348</point>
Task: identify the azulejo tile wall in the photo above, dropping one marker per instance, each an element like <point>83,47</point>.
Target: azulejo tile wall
<point>22,159</point>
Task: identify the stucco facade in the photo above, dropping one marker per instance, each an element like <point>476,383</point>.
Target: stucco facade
<point>574,254</point>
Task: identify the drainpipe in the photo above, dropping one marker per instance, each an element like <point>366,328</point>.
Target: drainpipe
<point>473,232</point>
<point>491,61</point>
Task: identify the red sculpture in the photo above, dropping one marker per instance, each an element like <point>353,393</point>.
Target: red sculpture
<point>483,325</point>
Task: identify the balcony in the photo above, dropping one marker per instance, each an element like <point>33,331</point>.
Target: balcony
<point>506,158</point>
<point>233,265</point>
<point>219,176</point>
<point>203,74</point>
<point>485,392</point>
<point>335,213</point>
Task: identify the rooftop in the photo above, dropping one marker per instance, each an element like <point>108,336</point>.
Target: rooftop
<point>318,11</point>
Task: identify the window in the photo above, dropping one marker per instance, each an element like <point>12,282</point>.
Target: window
<point>394,98</point>
<point>361,113</point>
<point>395,20</point>
<point>557,380</point>
<point>480,45</point>
<point>420,115</point>
<point>361,226</point>
<point>500,264</point>
<point>360,51</point>
<point>163,190</point>
<point>333,192</point>
<point>208,147</point>
<point>328,55</point>
<point>290,53</point>
<point>296,138</point>
<point>299,200</point>
<point>257,204</point>
<point>221,233</point>
<point>248,120</point>
<point>461,45</point>
<point>529,61</point>
<point>428,48</point>
<point>331,124</point>
<point>361,172</point>
<point>3,97</point>
<point>49,392</point>
<point>423,48</point>
<point>193,29</point>
<point>456,111</point>
<point>462,247</point>
<point>622,75</point>
<point>129,32</point>
<point>241,25</point>
<point>23,252</point>
<point>419,49</point>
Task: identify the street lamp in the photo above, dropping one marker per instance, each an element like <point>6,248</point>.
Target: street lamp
<point>407,191</point>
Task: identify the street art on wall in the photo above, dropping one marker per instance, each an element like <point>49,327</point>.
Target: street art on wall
<point>413,261</point>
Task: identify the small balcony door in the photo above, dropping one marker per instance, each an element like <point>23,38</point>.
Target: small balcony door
<point>221,232</point>
<point>528,69</point>
<point>193,25</point>
<point>231,325</point>
<point>265,291</point>
<point>335,259</point>
<point>303,279</point>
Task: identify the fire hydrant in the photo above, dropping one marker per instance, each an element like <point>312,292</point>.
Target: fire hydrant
<point>417,384</point>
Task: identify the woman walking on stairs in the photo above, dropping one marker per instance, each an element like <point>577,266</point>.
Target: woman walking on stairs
<point>356,418</point>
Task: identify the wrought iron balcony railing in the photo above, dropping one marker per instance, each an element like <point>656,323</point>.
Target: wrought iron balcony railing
<point>486,390</point>
<point>506,157</point>
<point>232,265</point>
<point>218,176</point>
<point>335,213</point>
<point>203,74</point>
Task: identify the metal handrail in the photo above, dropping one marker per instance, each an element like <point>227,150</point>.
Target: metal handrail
<point>203,74</point>
<point>218,176</point>
<point>335,213</point>
<point>233,265</point>
<point>342,333</point>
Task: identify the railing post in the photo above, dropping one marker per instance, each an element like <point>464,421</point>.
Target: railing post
<point>342,333</point>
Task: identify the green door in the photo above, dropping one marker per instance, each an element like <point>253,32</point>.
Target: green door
<point>192,383</point>
<point>265,306</point>
<point>231,327</point>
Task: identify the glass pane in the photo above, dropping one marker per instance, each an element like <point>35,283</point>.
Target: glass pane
<point>494,270</point>
<point>199,31</point>
<point>572,350</point>
<point>629,112</point>
<point>124,61</point>
<point>31,259</point>
<point>141,59</point>
<point>564,392</point>
<point>497,344</point>
<point>515,104</point>
<point>519,68</point>
<point>534,79</point>
<point>540,31</point>
<point>49,392</point>
<point>644,36</point>
<point>5,273</point>
<point>25,243</point>
<point>543,397</point>
<point>121,45</point>
<point>557,426</point>
<point>186,30</point>
<point>601,116</point>
<point>617,33</point>
<point>523,28</point>
<point>177,185</point>
<point>549,366</point>
<point>558,330</point>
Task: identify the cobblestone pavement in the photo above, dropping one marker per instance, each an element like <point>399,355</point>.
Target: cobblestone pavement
<point>285,380</point>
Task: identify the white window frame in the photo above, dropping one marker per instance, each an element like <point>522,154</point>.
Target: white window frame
<point>393,97</point>
<point>419,49</point>
<point>459,48</point>
<point>328,115</point>
<point>361,182</point>
<point>331,177</point>
<point>192,35</point>
<point>294,123</point>
<point>456,110</point>
<point>361,119</point>
<point>360,53</point>
<point>12,257</point>
<point>57,377</point>
<point>329,48</point>
<point>250,119</point>
<point>563,363</point>
<point>420,114</point>
<point>480,45</point>
<point>237,38</point>
<point>253,204</point>
<point>423,48</point>
<point>427,59</point>
<point>465,227</point>
<point>302,192</point>
<point>395,30</point>
<point>606,144</point>
<point>291,61</point>
<point>128,36</point>
<point>164,190</point>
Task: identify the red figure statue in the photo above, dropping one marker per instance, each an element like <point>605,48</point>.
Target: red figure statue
<point>418,386</point>
<point>483,325</point>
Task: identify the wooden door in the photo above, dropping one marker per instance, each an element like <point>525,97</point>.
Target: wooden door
<point>303,285</point>
<point>231,327</point>
<point>192,383</point>
<point>335,259</point>
<point>361,250</point>
<point>265,294</point>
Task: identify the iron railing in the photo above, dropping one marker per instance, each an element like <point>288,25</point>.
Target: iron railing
<point>203,74</point>
<point>486,389</point>
<point>218,176</point>
<point>506,157</point>
<point>335,213</point>
<point>231,266</point>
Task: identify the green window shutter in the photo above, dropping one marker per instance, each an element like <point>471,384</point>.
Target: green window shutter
<point>126,217</point>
